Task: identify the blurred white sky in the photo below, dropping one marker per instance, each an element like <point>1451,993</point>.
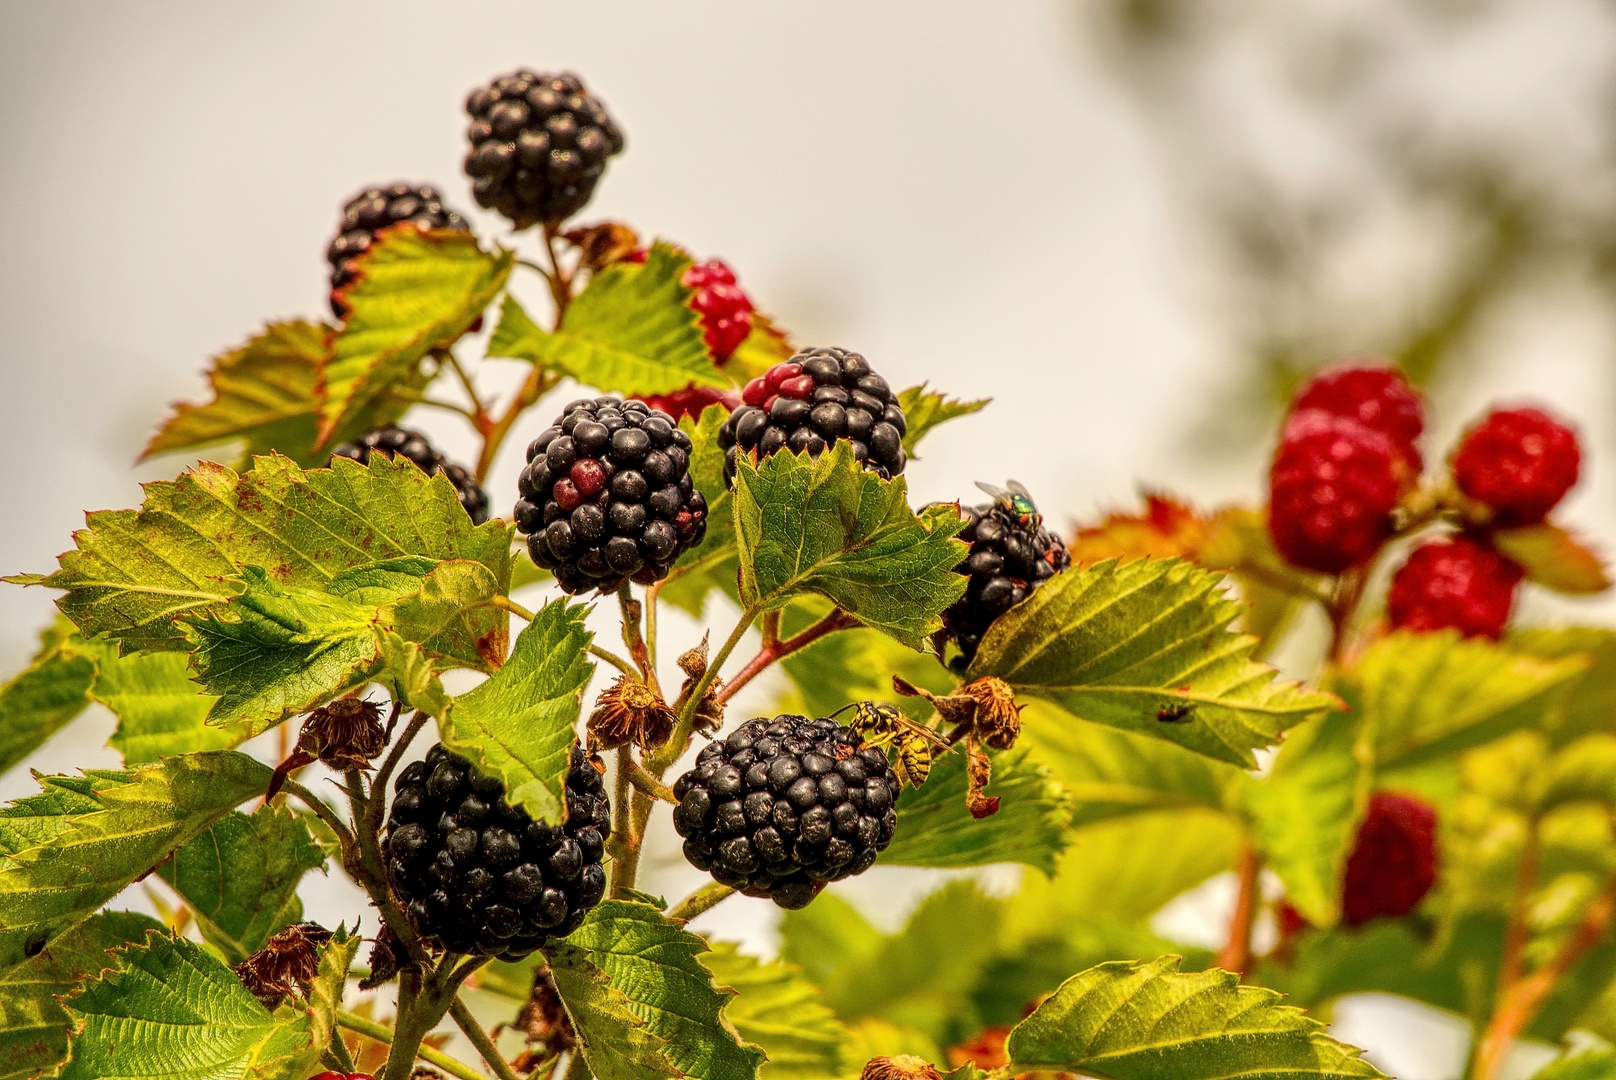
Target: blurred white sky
<point>960,191</point>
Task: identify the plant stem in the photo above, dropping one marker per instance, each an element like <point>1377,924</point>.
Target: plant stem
<point>373,818</point>
<point>1519,1004</point>
<point>627,868</point>
<point>631,636</point>
<point>479,1038</point>
<point>321,811</point>
<point>1512,961</point>
<point>560,280</point>
<point>339,1053</point>
<point>613,659</point>
<point>538,383</point>
<point>687,715</point>
<point>1236,954</point>
<point>1343,605</point>
<point>512,606</point>
<point>704,898</point>
<point>481,418</point>
<point>651,593</point>
<point>448,406</point>
<point>777,649</point>
<point>651,785</point>
<point>372,1030</point>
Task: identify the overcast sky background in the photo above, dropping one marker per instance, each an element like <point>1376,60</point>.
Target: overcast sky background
<point>960,191</point>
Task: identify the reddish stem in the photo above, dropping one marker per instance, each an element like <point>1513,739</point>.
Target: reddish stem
<point>772,651</point>
<point>1236,954</point>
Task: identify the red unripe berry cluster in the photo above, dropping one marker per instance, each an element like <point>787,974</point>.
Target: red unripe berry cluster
<point>782,380</point>
<point>1394,861</point>
<point>1459,583</point>
<point>1379,398</point>
<point>1518,462</point>
<point>726,321</point>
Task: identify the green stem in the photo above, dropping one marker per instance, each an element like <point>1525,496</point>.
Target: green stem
<point>321,811</point>
<point>687,714</point>
<point>651,593</point>
<point>340,1055</point>
<point>613,659</point>
<point>372,1030</point>
<point>512,606</point>
<point>448,406</point>
<point>479,1038</point>
<point>626,858</point>
<point>651,785</point>
<point>704,898</point>
<point>632,610</point>
<point>373,818</point>
<point>481,412</point>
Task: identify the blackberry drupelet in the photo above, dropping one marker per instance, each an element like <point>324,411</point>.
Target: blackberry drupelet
<point>414,446</point>
<point>477,875</point>
<point>1011,555</point>
<point>373,210</point>
<point>783,806</point>
<point>539,144</point>
<point>1460,583</point>
<point>1332,489</point>
<point>810,401</point>
<point>607,496</point>
<point>1375,395</point>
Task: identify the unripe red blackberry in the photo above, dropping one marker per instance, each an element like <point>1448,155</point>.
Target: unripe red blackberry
<point>1332,489</point>
<point>373,210</point>
<point>810,401</point>
<point>478,875</point>
<point>607,496</point>
<point>1011,555</point>
<point>1456,583</point>
<point>539,144</point>
<point>1378,397</point>
<point>692,401</point>
<point>783,806</point>
<point>726,311</point>
<point>414,446</point>
<point>1393,862</point>
<point>1520,462</point>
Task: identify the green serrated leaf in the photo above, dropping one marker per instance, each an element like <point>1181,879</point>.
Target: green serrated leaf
<point>1112,773</point>
<point>1124,1020</point>
<point>617,1042</point>
<point>108,829</point>
<point>780,1011</point>
<point>447,613</point>
<point>631,331</point>
<point>856,665</point>
<point>160,711</point>
<point>33,1024</point>
<point>830,527</point>
<point>1432,694</point>
<point>170,1009</point>
<point>134,572</point>
<point>241,877</point>
<point>44,697</point>
<point>652,960</point>
<point>265,400</point>
<point>936,829</point>
<point>1587,1065</point>
<point>518,725</point>
<point>1583,771</point>
<point>417,291</point>
<point>710,565</point>
<point>925,409</point>
<point>412,675</point>
<point>1589,703</point>
<point>1305,813</point>
<point>1145,646</point>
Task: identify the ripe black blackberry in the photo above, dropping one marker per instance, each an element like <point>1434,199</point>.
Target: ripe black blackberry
<point>414,446</point>
<point>783,806</point>
<point>607,496</point>
<point>810,401</point>
<point>373,210</point>
<point>1011,555</point>
<point>477,875</point>
<point>538,146</point>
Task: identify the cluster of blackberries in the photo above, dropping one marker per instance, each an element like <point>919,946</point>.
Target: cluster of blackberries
<point>1011,554</point>
<point>478,875</point>
<point>812,400</point>
<point>1348,455</point>
<point>539,144</point>
<point>783,806</point>
<point>415,447</point>
<point>606,495</point>
<point>373,210</point>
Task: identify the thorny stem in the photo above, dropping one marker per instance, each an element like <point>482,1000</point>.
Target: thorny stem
<point>777,649</point>
<point>364,864</point>
<point>1519,1004</point>
<point>644,781</point>
<point>771,627</point>
<point>373,812</point>
<point>704,898</point>
<point>372,1030</point>
<point>1236,954</point>
<point>651,593</point>
<point>670,753</point>
<point>321,811</point>
<point>628,867</point>
<point>631,636</point>
<point>613,659</point>
<point>479,1038</point>
<point>339,1054</point>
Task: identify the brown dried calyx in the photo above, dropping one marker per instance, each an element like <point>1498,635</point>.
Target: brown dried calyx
<point>285,965</point>
<point>628,711</point>
<point>544,1023</point>
<point>900,1067</point>
<point>345,734</point>
<point>601,245</point>
<point>387,959</point>
<point>983,713</point>
<point>709,711</point>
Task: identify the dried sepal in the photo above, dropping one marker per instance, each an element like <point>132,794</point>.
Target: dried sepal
<point>544,1024</point>
<point>285,965</point>
<point>998,717</point>
<point>387,959</point>
<point>978,771</point>
<point>628,711</point>
<point>709,716</point>
<point>601,245</point>
<point>900,1067</point>
<point>346,734</point>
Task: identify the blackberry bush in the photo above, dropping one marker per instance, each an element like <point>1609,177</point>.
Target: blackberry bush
<point>367,214</point>
<point>539,145</point>
<point>607,497</point>
<point>810,401</point>
<point>1011,554</point>
<point>782,807</point>
<point>414,446</point>
<point>478,875</point>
